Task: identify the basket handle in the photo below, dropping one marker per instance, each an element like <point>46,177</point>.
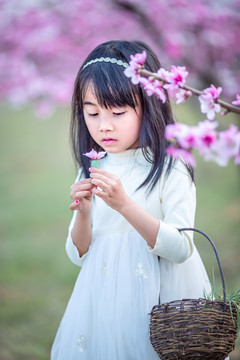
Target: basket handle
<point>215,250</point>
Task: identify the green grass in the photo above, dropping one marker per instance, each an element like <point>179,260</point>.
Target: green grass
<point>36,277</point>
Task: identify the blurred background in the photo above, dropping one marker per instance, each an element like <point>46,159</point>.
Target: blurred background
<point>43,43</point>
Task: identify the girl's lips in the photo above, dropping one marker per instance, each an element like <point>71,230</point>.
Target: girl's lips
<point>108,141</point>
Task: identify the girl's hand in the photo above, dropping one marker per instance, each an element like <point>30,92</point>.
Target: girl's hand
<point>81,194</point>
<point>111,189</point>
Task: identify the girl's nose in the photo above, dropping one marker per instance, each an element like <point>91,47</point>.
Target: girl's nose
<point>106,124</point>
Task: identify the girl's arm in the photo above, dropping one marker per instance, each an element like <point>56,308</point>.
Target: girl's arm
<point>177,193</point>
<point>80,234</point>
<point>145,224</point>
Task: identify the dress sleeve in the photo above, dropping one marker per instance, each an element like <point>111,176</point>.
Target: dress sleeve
<point>178,198</point>
<point>71,249</point>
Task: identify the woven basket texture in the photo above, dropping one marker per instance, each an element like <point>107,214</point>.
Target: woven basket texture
<point>193,329</point>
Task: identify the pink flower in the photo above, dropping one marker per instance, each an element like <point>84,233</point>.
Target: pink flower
<point>164,74</point>
<point>208,101</point>
<point>132,72</point>
<point>207,133</point>
<point>212,145</point>
<point>226,146</point>
<point>176,78</point>
<point>213,91</point>
<point>136,63</point>
<point>189,140</point>
<point>94,155</point>
<point>172,131</point>
<point>229,142</point>
<point>139,58</point>
<point>153,86</point>
<point>236,102</point>
<point>208,106</point>
<point>184,135</point>
<point>182,95</point>
<point>183,154</point>
<point>148,85</point>
<point>159,91</point>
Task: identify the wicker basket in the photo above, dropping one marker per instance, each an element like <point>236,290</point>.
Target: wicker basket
<point>194,328</point>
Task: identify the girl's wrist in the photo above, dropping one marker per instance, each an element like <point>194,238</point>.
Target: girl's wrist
<point>127,204</point>
<point>83,213</point>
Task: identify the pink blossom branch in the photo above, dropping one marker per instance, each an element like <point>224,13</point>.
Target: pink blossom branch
<point>183,139</point>
<point>229,107</point>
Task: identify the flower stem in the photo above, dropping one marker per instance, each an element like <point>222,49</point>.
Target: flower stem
<point>95,164</point>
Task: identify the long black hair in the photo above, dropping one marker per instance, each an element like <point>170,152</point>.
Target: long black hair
<point>113,89</point>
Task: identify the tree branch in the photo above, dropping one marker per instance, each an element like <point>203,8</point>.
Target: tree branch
<point>229,107</point>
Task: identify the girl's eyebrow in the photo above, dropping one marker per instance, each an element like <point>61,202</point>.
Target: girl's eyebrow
<point>89,103</point>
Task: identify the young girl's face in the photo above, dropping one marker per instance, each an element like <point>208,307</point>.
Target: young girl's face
<point>114,129</point>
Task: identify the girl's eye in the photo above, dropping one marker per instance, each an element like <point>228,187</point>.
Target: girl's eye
<point>120,113</point>
<point>93,114</point>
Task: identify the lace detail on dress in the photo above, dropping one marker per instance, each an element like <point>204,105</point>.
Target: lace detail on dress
<point>82,343</point>
<point>141,271</point>
<point>105,269</point>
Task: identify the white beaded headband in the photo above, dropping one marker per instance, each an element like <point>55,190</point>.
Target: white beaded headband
<point>107,59</point>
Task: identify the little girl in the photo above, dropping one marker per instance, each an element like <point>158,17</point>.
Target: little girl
<point>124,231</point>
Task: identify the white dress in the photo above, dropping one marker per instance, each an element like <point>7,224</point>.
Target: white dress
<point>107,317</point>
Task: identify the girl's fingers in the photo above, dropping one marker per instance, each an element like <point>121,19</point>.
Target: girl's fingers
<point>84,182</point>
<point>80,188</point>
<point>109,184</point>
<point>100,192</point>
<point>102,172</point>
<point>101,177</point>
<point>74,205</point>
<point>82,194</point>
<point>83,188</point>
<point>112,187</point>
<point>99,183</point>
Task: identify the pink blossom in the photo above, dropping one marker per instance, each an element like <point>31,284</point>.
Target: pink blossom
<point>164,74</point>
<point>236,102</point>
<point>137,62</point>
<point>183,154</point>
<point>176,78</point>
<point>186,136</point>
<point>94,155</point>
<point>139,58</point>
<point>207,133</point>
<point>132,72</point>
<point>208,101</point>
<point>159,92</point>
<point>228,144</point>
<point>148,85</point>
<point>172,131</point>
<point>190,140</point>
<point>208,106</point>
<point>153,86</point>
<point>230,135</point>
<point>182,95</point>
<point>212,145</point>
<point>213,91</point>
